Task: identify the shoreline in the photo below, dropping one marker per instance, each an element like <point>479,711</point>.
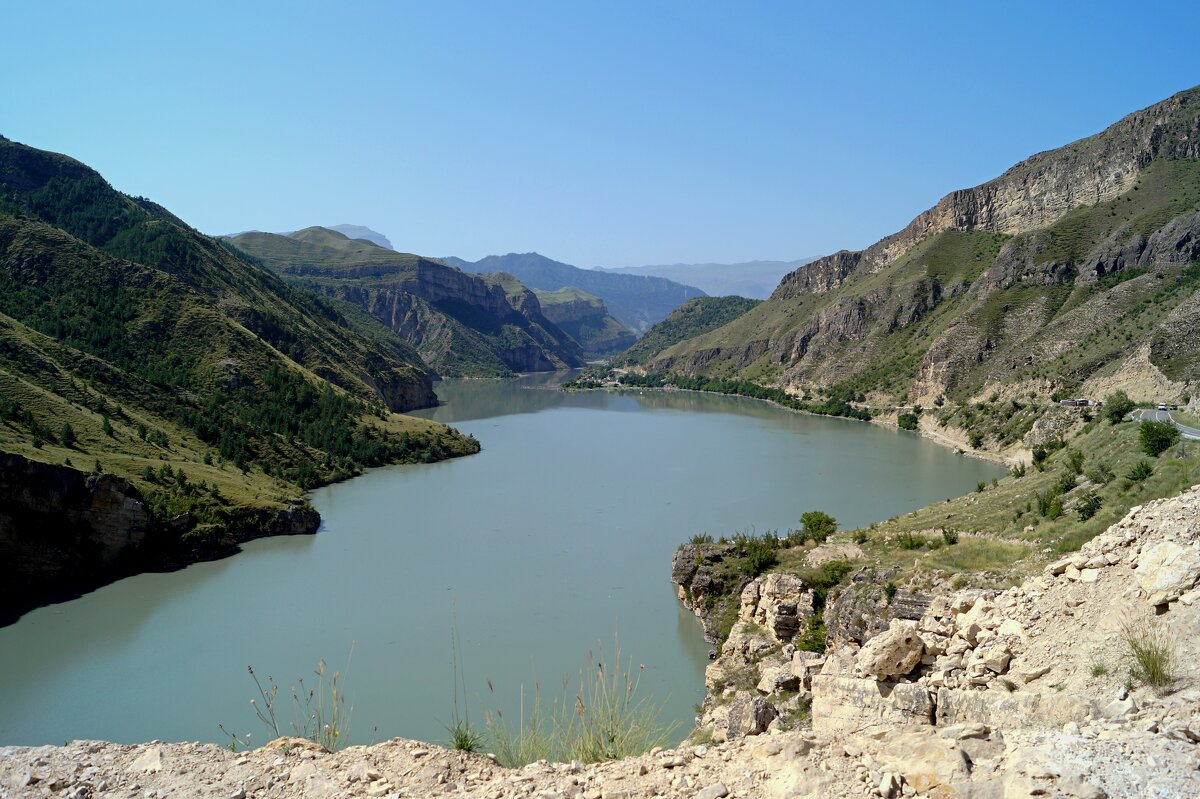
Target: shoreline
<point>936,438</point>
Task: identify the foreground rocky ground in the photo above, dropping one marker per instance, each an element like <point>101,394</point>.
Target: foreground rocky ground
<point>1021,693</point>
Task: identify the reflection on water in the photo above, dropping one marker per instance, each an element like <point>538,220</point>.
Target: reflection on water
<point>556,536</point>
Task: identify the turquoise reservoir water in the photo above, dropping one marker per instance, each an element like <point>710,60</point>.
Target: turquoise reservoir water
<point>557,536</point>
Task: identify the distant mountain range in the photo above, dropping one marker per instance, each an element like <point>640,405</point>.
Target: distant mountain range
<point>753,279</point>
<point>360,232</point>
<point>637,301</point>
<point>463,325</point>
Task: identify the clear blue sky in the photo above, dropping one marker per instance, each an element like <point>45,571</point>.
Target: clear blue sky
<point>598,133</point>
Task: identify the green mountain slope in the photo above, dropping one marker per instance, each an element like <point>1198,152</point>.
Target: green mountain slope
<point>695,317</point>
<point>637,301</point>
<point>162,398</point>
<point>1074,272</point>
<point>585,318</point>
<point>462,325</point>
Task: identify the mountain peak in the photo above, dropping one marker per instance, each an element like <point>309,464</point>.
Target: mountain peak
<point>362,232</point>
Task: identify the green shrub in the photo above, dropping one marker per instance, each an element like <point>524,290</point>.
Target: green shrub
<point>818,525</point>
<point>1075,461</point>
<point>910,541</point>
<point>701,538</point>
<point>1101,473</point>
<point>980,486</point>
<point>812,639</point>
<point>976,439</point>
<point>760,554</point>
<point>1018,471</point>
<point>908,421</point>
<point>1117,406</point>
<point>1157,437</point>
<point>950,536</point>
<point>1140,471</point>
<point>889,592</point>
<point>1088,505</point>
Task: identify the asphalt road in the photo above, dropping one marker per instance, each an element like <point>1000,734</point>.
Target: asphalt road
<point>1165,416</point>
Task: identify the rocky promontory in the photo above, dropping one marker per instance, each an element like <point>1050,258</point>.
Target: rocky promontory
<point>64,531</point>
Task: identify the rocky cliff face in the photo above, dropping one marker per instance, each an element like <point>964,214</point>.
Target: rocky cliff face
<point>1022,283</point>
<point>1033,194</point>
<point>63,532</point>
<point>587,320</point>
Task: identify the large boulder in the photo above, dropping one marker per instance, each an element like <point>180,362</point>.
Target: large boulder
<point>891,654</point>
<point>748,715</point>
<point>1167,570</point>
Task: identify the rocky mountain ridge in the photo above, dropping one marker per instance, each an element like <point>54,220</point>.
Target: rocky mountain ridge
<point>1071,272</point>
<point>461,324</point>
<point>1032,194</point>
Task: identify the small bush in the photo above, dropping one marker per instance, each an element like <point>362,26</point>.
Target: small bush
<point>910,541</point>
<point>908,421</point>
<point>950,536</point>
<point>1140,471</point>
<point>1151,654</point>
<point>1101,473</point>
<point>701,538</point>
<point>976,440</point>
<point>1075,461</point>
<point>980,486</point>
<point>818,525</point>
<point>813,637</point>
<point>1157,437</point>
<point>1099,669</point>
<point>889,592</point>
<point>1018,471</point>
<point>464,737</point>
<point>1088,505</point>
<point>860,536</point>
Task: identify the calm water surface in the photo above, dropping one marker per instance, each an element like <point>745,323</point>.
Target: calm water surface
<point>555,538</point>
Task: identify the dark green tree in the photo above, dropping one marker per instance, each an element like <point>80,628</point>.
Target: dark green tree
<point>1117,406</point>
<point>1157,437</point>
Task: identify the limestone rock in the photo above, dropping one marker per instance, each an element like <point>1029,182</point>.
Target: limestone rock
<point>748,716</point>
<point>848,705</point>
<point>778,602</point>
<point>893,653</point>
<point>1167,570</point>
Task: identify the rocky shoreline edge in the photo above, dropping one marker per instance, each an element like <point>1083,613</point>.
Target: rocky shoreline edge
<point>978,694</point>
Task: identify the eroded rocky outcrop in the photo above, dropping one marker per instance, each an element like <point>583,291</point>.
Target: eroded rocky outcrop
<point>63,531</point>
<point>1031,195</point>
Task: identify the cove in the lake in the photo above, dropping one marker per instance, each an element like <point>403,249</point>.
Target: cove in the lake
<point>557,536</point>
